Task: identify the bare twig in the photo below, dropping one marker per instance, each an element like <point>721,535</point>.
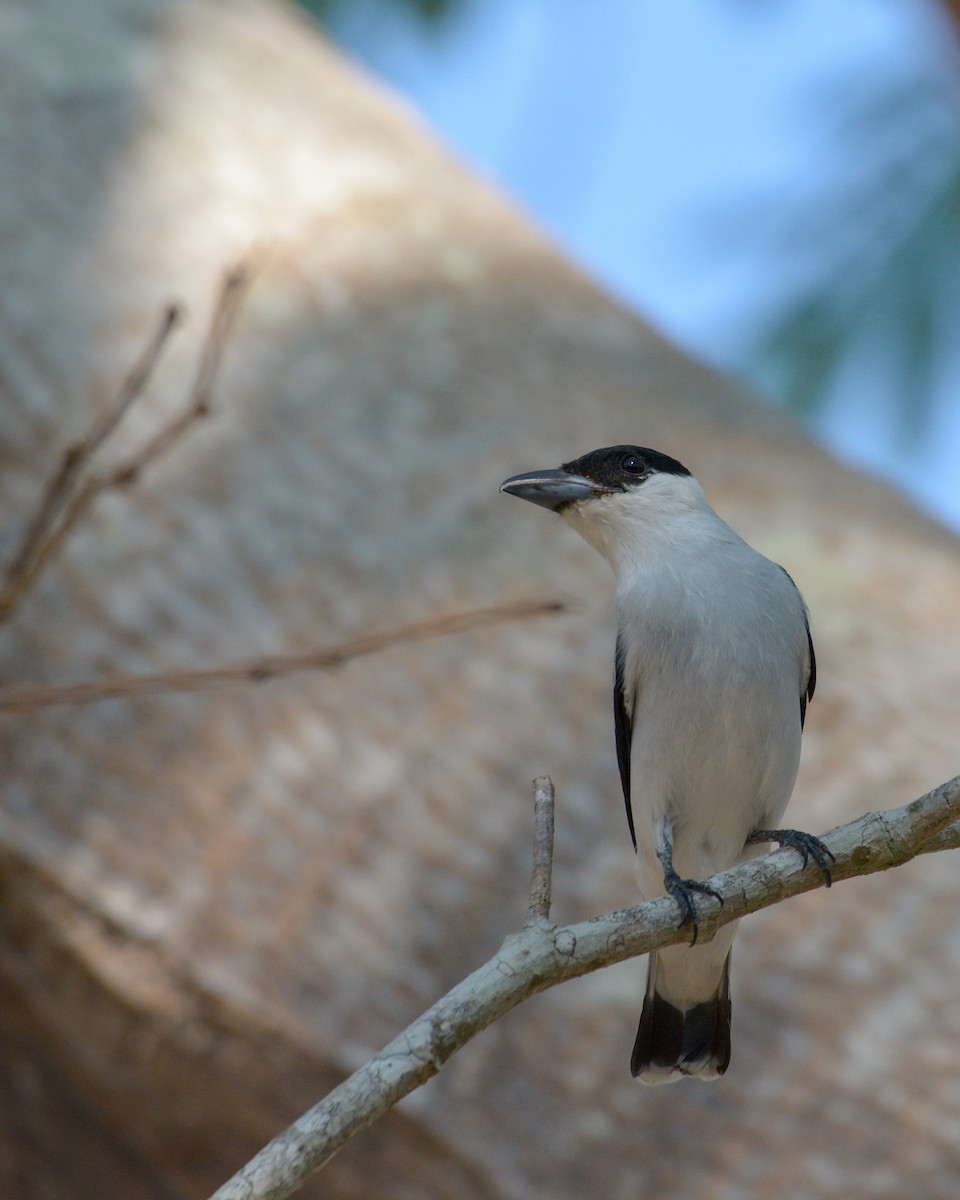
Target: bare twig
<point>21,570</point>
<point>541,876</point>
<point>543,955</point>
<point>67,497</point>
<point>232,292</point>
<point>27,697</point>
<point>133,386</point>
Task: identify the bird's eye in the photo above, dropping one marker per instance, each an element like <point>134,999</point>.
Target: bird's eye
<point>630,464</point>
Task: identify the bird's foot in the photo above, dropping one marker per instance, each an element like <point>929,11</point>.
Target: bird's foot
<point>805,844</point>
<point>682,890</point>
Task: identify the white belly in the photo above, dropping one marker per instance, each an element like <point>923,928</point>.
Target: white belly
<point>716,746</point>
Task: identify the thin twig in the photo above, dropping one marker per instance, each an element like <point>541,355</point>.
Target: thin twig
<point>135,383</point>
<point>543,955</point>
<point>27,697</point>
<point>232,292</point>
<point>66,500</point>
<point>21,571</point>
<point>542,873</point>
<point>236,283</point>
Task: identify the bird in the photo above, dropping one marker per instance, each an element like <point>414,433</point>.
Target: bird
<point>713,670</point>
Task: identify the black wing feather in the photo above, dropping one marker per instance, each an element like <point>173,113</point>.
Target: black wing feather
<point>807,690</point>
<point>807,694</point>
<point>623,725</point>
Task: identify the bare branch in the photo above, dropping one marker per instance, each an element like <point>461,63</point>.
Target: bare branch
<point>946,839</point>
<point>24,580</point>
<point>541,877</point>
<point>78,455</point>
<point>132,387</point>
<point>28,557</point>
<point>66,499</point>
<point>232,292</point>
<point>543,955</point>
<point>26,697</point>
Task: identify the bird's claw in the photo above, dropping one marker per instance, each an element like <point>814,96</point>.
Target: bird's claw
<point>682,891</point>
<point>805,844</point>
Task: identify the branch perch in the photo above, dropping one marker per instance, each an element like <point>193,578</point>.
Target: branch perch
<point>543,955</point>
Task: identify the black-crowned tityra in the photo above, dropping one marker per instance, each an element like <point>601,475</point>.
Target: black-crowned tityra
<point>714,668</point>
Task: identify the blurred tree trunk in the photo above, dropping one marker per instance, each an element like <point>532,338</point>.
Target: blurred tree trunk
<point>215,906</point>
<point>953,7</point>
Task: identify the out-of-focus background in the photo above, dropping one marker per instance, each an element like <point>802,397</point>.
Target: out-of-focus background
<point>214,906</point>
<point>775,184</point>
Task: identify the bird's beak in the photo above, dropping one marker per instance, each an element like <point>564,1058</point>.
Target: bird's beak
<point>552,489</point>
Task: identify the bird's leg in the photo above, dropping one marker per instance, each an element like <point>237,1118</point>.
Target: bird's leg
<point>805,844</point>
<point>682,890</point>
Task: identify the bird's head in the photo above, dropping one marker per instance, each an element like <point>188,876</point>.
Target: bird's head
<point>614,497</point>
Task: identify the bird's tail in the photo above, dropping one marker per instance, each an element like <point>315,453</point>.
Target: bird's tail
<point>676,1039</point>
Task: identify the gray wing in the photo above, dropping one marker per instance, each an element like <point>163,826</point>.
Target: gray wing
<point>623,724</point>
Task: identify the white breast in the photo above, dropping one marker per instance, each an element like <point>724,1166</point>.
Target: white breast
<point>715,661</point>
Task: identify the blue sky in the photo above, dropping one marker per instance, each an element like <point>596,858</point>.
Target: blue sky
<point>697,157</point>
